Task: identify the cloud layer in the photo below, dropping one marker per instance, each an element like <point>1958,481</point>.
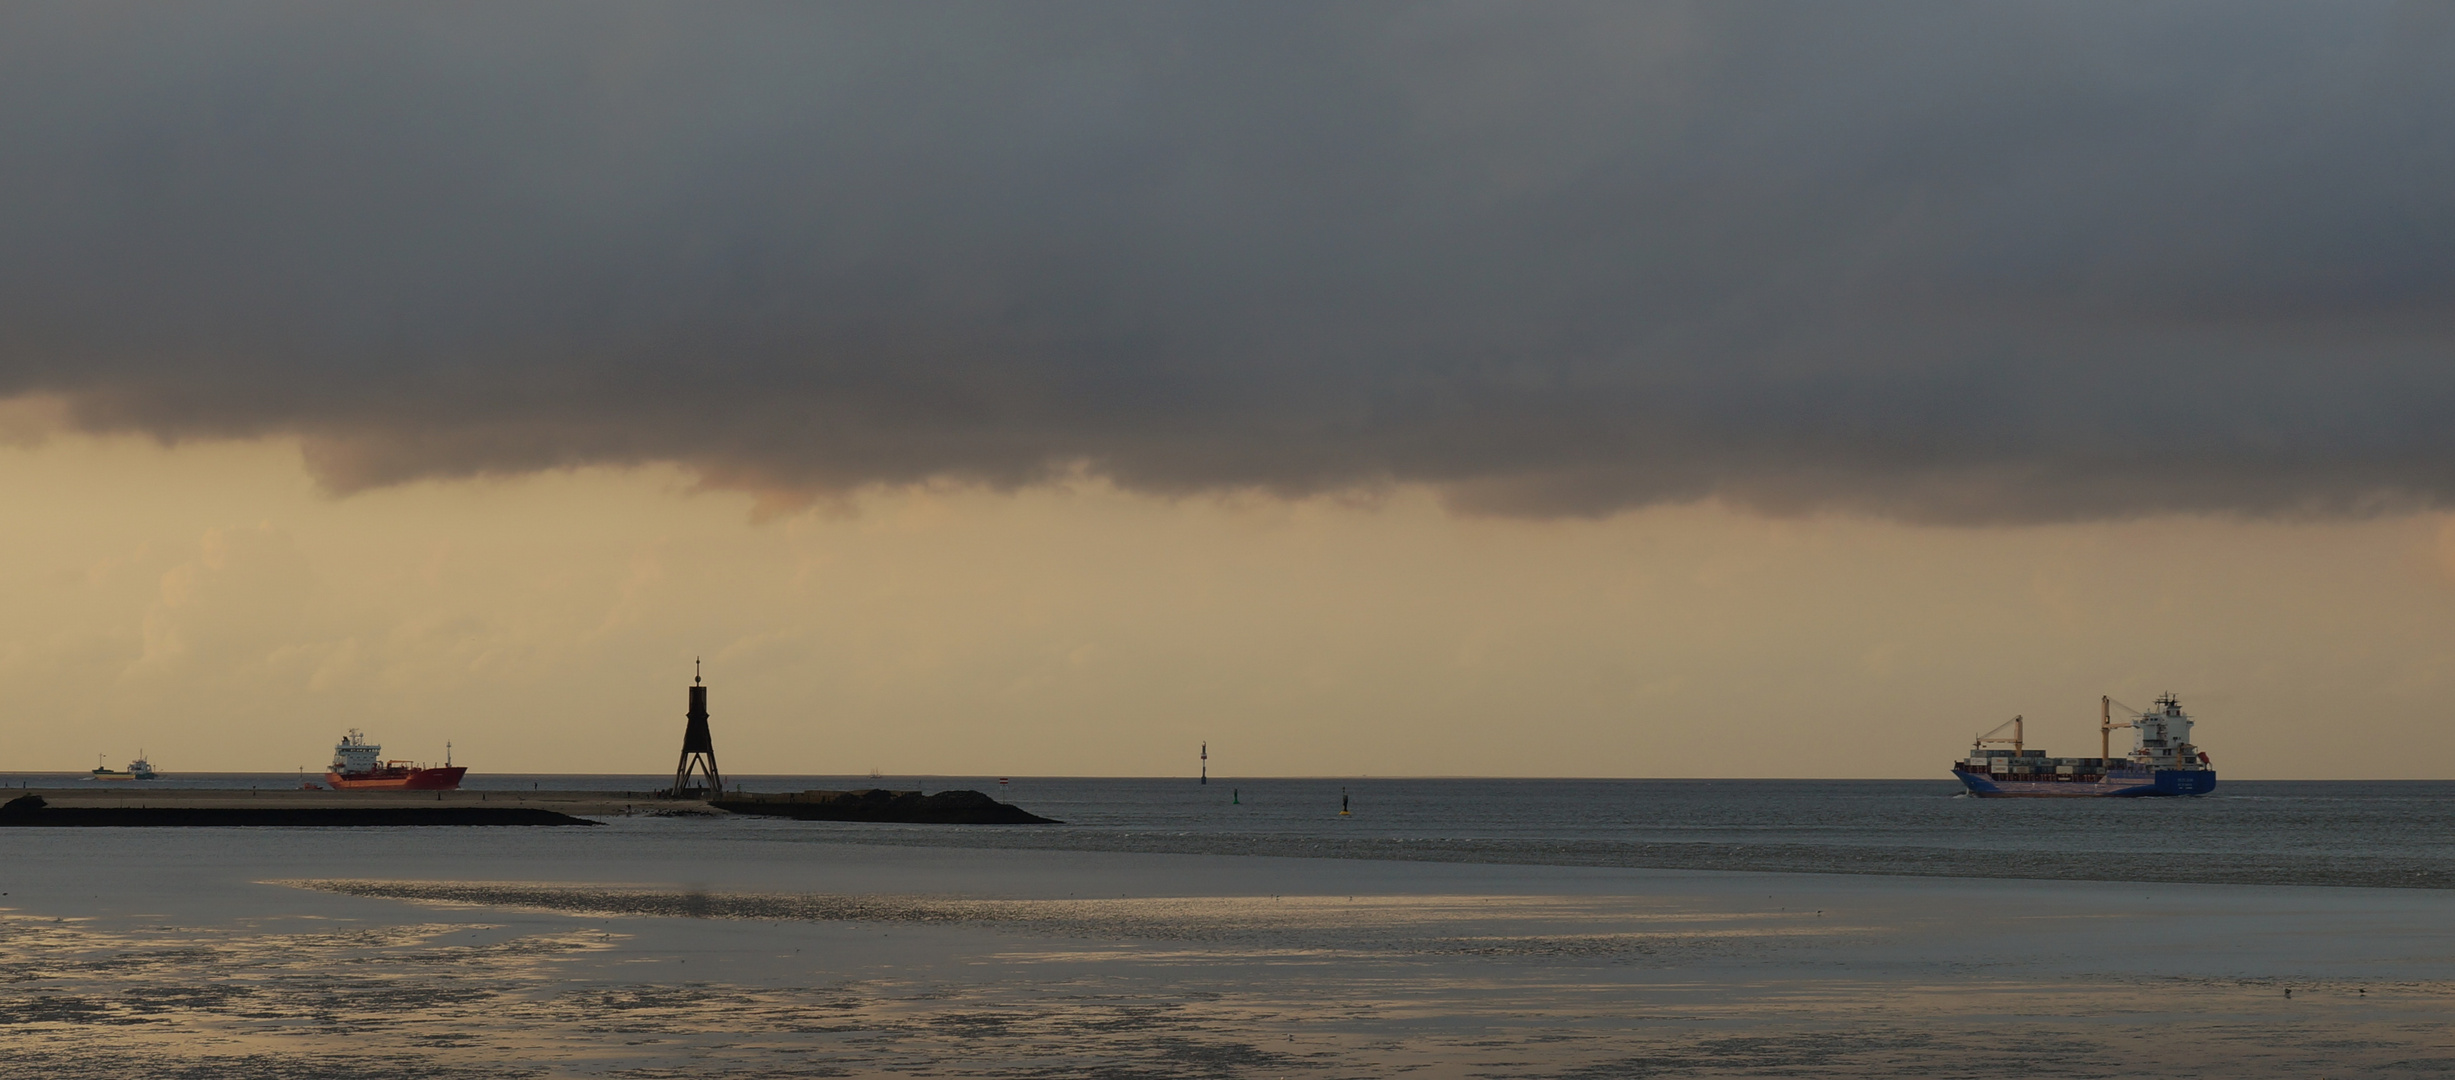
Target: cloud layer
<point>1939,262</point>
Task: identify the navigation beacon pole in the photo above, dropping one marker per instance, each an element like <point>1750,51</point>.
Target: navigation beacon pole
<point>698,747</point>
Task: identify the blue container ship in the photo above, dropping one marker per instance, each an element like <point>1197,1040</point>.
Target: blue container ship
<point>2163,761</point>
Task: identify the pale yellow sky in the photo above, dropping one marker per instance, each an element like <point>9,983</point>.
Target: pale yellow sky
<point>207,604</point>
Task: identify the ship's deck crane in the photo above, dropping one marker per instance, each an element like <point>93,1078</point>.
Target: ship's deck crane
<point>2106,726</point>
<point>1996,737</point>
<point>2105,731</point>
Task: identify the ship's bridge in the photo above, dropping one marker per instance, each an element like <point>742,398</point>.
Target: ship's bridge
<point>2161,736</point>
<point>355,754</point>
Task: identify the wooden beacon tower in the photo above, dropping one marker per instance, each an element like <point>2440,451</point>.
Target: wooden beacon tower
<point>698,749</point>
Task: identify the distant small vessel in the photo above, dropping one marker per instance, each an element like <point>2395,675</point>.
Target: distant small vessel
<point>2163,761</point>
<point>358,765</point>
<point>140,769</point>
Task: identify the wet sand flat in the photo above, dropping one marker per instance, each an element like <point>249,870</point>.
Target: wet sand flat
<point>764,951</point>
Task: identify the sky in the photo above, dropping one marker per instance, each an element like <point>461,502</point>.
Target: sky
<point>1613,389</point>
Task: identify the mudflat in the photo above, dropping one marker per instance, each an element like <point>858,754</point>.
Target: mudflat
<point>762,947</point>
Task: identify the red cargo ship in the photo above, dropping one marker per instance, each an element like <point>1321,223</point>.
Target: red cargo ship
<point>358,765</point>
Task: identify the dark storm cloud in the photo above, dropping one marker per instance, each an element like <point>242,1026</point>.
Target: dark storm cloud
<point>1944,262</point>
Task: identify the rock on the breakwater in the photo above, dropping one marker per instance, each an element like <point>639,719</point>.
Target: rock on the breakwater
<point>890,807</point>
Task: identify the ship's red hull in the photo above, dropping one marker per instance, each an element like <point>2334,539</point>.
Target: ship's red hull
<point>398,779</point>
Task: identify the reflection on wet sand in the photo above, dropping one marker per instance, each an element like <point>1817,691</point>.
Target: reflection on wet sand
<point>505,979</point>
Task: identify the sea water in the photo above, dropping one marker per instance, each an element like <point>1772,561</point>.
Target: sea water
<point>2357,833</point>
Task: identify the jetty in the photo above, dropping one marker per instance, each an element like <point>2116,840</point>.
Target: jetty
<point>145,806</point>
<point>881,806</point>
<point>181,808</point>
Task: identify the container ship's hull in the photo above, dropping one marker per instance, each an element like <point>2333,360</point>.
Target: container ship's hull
<point>2121,783</point>
<point>445,778</point>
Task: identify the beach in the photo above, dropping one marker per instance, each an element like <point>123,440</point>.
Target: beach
<point>663,947</point>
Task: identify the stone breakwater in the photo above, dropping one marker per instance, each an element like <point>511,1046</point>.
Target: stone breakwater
<point>34,811</point>
<point>887,807</point>
<point>129,805</point>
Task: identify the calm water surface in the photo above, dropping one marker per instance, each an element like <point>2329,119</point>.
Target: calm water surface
<point>2368,833</point>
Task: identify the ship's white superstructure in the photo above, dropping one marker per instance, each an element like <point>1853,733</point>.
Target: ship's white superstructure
<point>354,754</point>
<point>2161,737</point>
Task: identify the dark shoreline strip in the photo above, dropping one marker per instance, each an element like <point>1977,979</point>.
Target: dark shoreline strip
<point>603,900</point>
<point>1237,921</point>
<point>18,815</point>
